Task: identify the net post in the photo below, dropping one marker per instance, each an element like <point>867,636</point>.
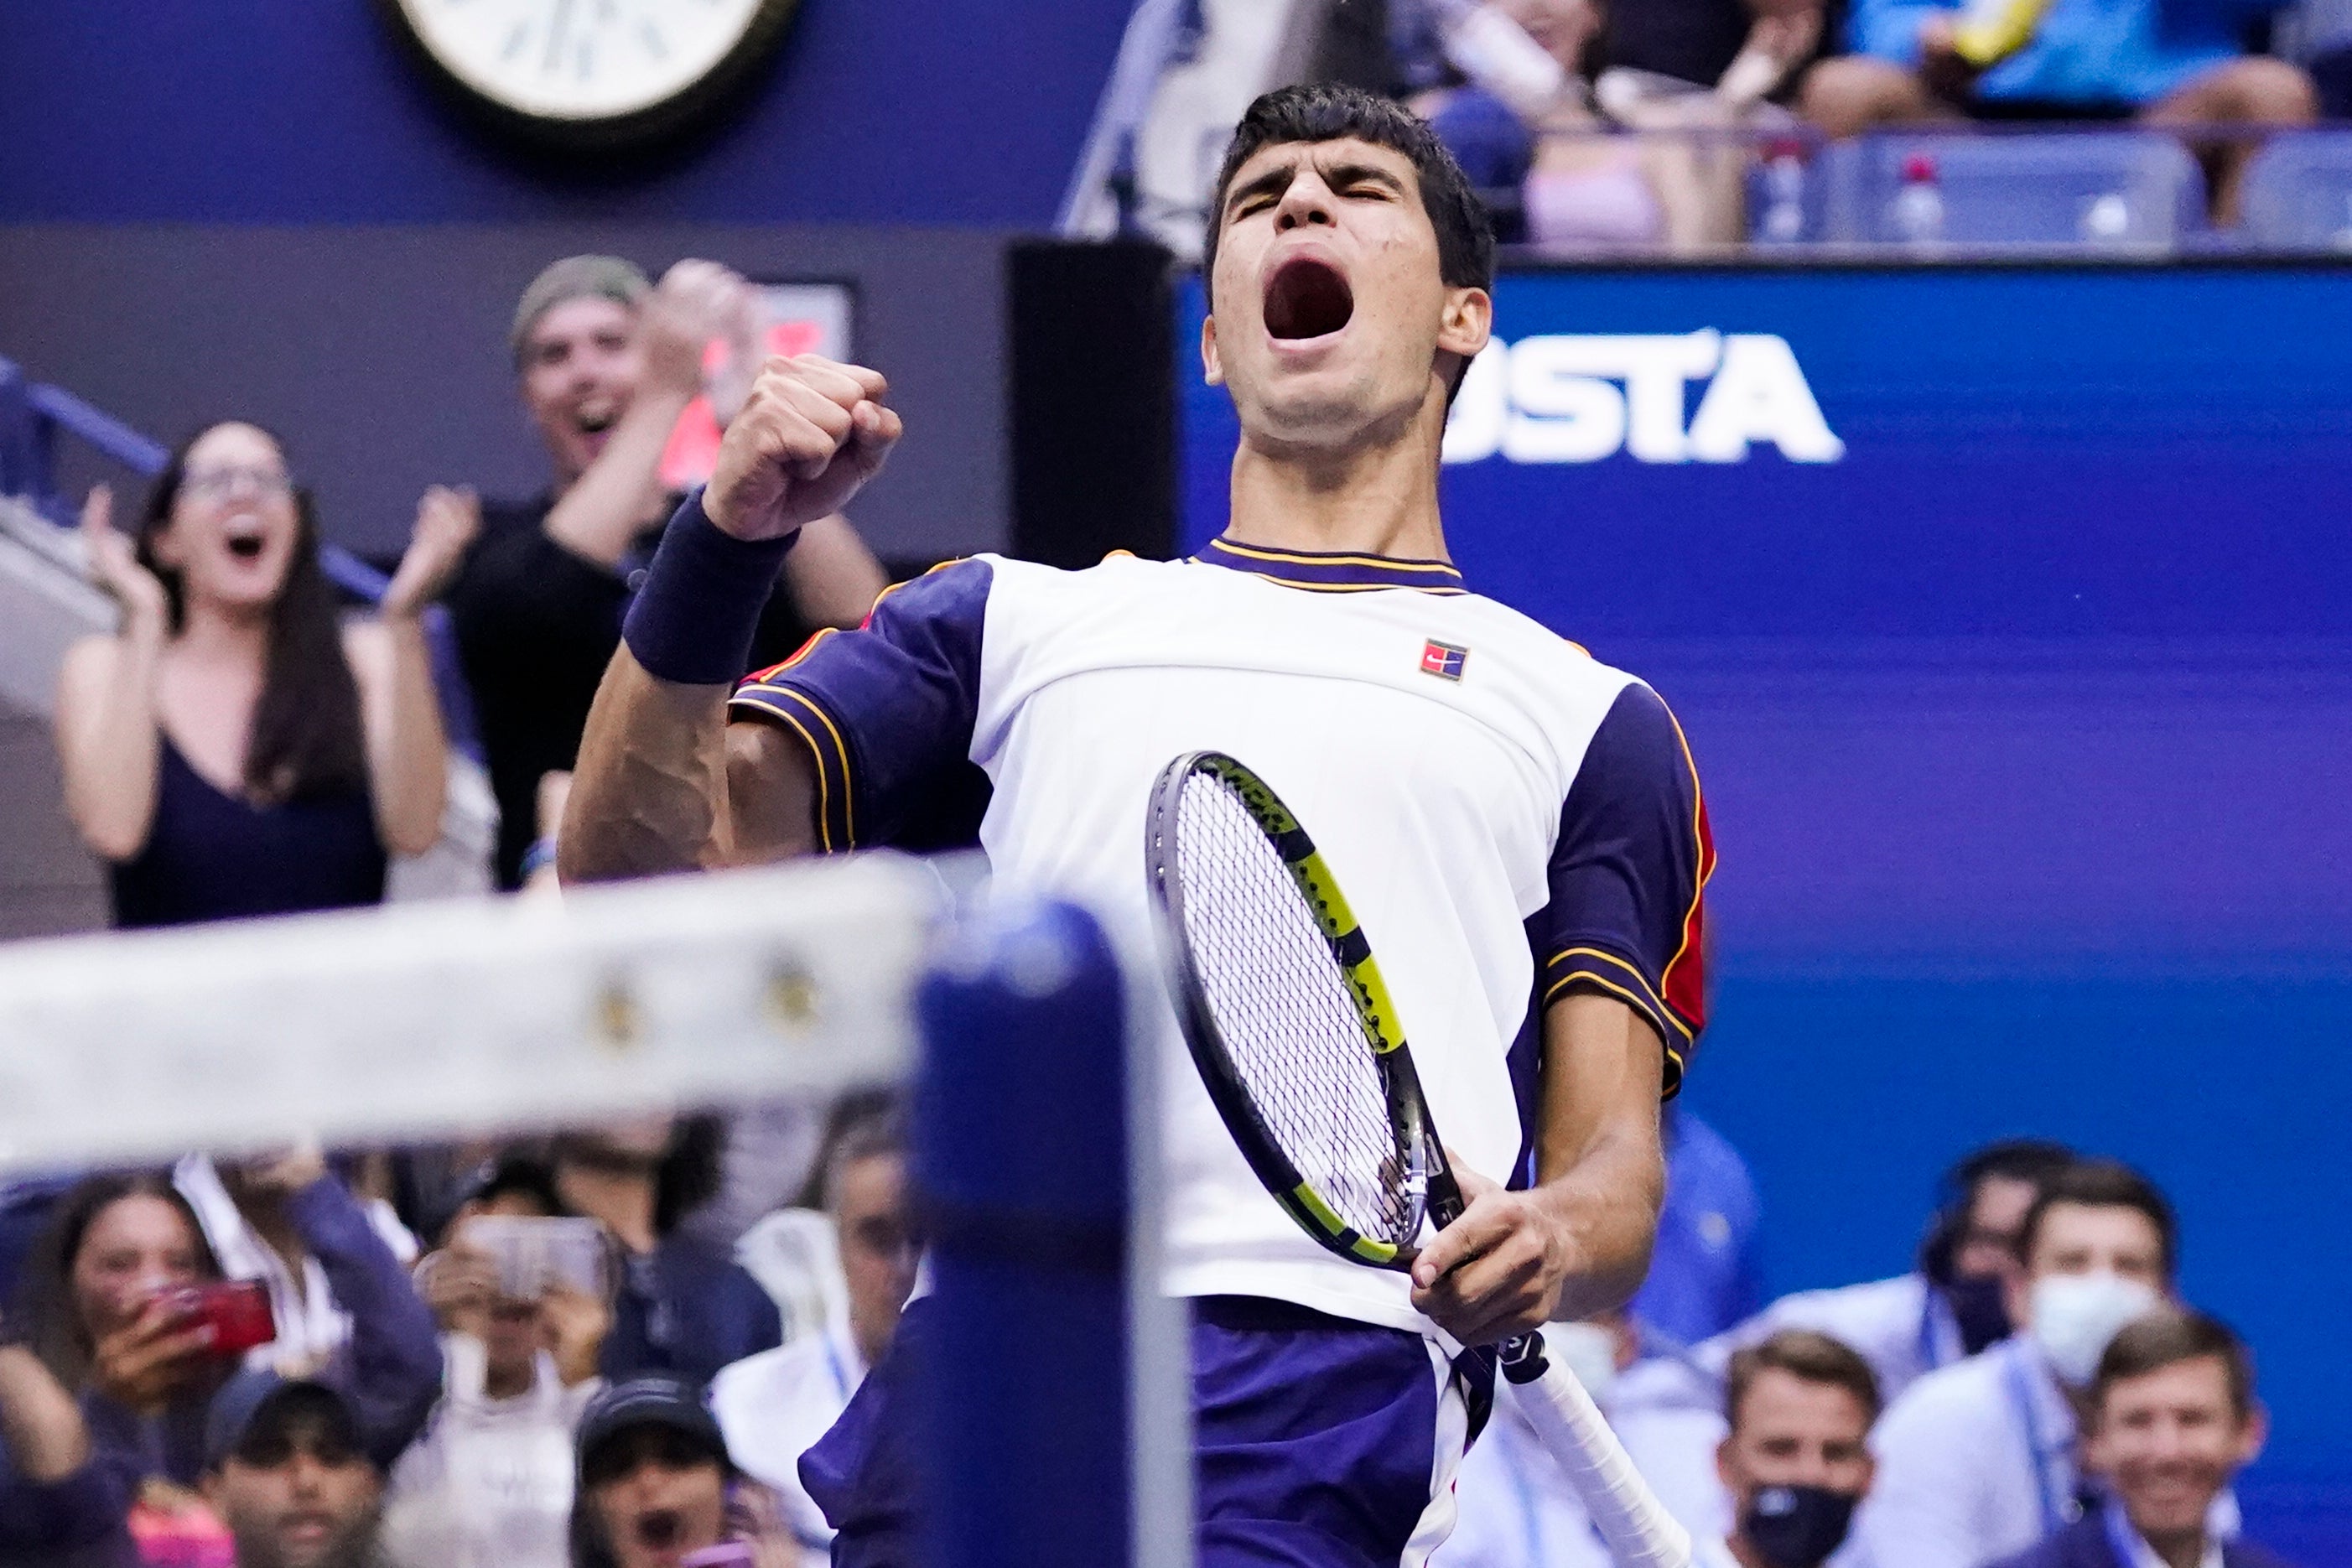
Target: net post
<point>1023,1161</point>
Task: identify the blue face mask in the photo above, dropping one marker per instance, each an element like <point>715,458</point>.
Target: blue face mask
<point>1797,1527</point>
<point>1979,1309</point>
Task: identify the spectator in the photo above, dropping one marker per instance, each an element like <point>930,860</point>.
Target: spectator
<point>1514,1507</point>
<point>1914,62</point>
<point>1704,1274</point>
<point>774,1404</point>
<point>684,1306</point>
<point>290,1468</point>
<point>1796,1461</point>
<point>57,1508</point>
<point>1663,49</point>
<point>489,1483</point>
<point>656,1483</point>
<point>252,1226</point>
<point>1582,187</point>
<point>1978,1461</point>
<point>2172,1421</point>
<point>99,1309</point>
<point>606,364</point>
<point>1954,1304</point>
<point>232,750</point>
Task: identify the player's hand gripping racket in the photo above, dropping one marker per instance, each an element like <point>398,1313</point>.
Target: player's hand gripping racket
<point>1299,1045</point>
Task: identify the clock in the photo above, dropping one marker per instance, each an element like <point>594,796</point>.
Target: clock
<point>591,73</point>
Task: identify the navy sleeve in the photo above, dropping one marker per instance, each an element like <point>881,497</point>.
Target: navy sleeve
<point>888,712</point>
<point>1626,916</point>
<point>85,1508</point>
<point>395,1351</point>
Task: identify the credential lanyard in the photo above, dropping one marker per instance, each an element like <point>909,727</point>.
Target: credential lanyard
<point>2052,1498</point>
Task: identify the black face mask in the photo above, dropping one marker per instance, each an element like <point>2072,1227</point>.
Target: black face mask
<point>1797,1527</point>
<point>1979,1309</point>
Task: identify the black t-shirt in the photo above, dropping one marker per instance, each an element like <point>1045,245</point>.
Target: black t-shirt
<point>1690,40</point>
<point>536,625</point>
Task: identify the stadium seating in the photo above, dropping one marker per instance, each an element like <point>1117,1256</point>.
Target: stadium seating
<point>2123,189</point>
<point>2298,192</point>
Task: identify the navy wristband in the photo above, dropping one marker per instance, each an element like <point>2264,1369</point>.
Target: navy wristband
<point>693,621</point>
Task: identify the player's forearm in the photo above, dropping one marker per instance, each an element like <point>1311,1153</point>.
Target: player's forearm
<point>1598,1158</point>
<point>649,793</point>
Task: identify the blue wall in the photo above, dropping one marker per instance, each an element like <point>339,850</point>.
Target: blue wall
<point>2022,697</point>
<point>306,111</point>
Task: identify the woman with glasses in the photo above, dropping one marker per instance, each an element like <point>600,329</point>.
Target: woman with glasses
<point>234,748</point>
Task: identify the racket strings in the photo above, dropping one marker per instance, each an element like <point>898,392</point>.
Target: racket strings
<point>1287,1016</point>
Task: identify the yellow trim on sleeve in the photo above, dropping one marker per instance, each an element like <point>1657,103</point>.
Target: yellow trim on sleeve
<point>750,696</point>
<point>1639,1003</point>
<point>848,788</point>
<point>1640,979</point>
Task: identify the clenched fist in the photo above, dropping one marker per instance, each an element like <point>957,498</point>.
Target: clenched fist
<point>812,432</point>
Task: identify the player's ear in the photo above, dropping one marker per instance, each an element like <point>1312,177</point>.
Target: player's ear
<point>1467,322</point>
<point>1212,370</point>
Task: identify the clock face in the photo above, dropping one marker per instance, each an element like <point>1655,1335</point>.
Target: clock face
<point>583,61</point>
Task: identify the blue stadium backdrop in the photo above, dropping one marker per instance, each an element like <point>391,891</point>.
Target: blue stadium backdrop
<point>2009,614</point>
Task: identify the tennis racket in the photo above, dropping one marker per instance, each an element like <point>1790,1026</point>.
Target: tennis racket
<point>1299,1045</point>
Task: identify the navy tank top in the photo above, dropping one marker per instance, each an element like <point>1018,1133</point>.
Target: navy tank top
<point>212,857</point>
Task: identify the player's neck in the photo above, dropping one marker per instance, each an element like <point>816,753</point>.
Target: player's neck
<point>1373,499</point>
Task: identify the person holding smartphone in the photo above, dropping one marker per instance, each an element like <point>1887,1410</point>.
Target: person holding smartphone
<point>489,1483</point>
<point>124,1303</point>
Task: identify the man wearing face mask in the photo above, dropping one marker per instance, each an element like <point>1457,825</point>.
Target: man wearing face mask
<point>1953,1305</point>
<point>1515,1508</point>
<point>1796,1461</point>
<point>1977,1461</point>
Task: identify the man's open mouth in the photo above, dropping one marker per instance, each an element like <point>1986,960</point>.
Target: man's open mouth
<point>1307,298</point>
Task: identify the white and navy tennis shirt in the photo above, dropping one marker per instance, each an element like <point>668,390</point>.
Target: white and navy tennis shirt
<point>1511,819</point>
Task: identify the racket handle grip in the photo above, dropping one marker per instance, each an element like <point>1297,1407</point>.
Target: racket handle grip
<point>1639,1532</point>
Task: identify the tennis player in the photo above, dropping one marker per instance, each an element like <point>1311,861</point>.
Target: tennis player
<point>1518,826</point>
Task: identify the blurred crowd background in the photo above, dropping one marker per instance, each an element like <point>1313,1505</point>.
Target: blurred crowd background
<point>435,382</point>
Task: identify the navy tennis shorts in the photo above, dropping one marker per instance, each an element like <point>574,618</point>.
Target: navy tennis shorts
<point>1319,1442</point>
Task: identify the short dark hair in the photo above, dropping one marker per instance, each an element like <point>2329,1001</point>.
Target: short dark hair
<point>1328,111</point>
<point>1807,1355</point>
<point>2168,1336</point>
<point>2103,1184</point>
<point>2030,1160</point>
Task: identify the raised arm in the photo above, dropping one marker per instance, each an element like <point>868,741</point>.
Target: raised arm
<point>108,736</point>
<point>407,751</point>
<point>651,792</point>
<point>600,516</point>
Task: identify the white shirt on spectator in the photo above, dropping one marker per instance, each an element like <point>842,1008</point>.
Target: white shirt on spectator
<point>489,1484</point>
<point>1515,1509</point>
<point>1903,1327</point>
<point>1975,1462</point>
<point>311,1327</point>
<point>773,1407</point>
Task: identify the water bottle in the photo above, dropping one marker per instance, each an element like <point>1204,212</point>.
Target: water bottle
<point>1919,205</point>
<point>1784,192</point>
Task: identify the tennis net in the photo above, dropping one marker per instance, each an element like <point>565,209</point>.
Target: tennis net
<point>483,1020</point>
